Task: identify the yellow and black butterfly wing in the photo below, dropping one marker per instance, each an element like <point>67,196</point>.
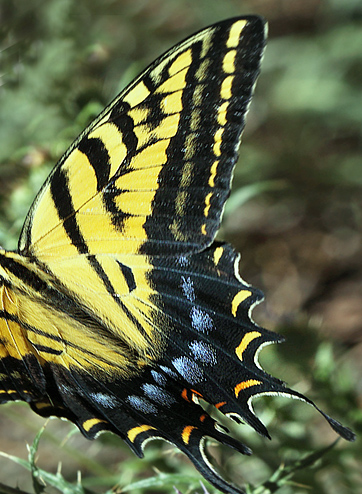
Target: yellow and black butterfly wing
<point>149,177</point>
<point>120,299</point>
<point>158,161</point>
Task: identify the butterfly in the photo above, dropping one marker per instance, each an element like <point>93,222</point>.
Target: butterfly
<point>119,310</point>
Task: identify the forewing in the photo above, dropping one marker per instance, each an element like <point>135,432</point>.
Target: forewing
<point>151,174</point>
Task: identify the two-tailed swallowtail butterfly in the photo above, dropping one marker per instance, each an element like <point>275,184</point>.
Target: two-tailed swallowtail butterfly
<point>119,310</point>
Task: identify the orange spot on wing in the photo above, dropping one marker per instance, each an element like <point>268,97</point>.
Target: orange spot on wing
<point>196,392</point>
<point>245,384</point>
<point>186,433</point>
<point>184,395</point>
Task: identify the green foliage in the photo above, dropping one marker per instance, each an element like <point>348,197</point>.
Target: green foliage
<point>41,478</point>
<point>295,214</point>
<point>161,481</point>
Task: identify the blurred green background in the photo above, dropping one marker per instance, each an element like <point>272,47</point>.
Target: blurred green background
<point>295,213</point>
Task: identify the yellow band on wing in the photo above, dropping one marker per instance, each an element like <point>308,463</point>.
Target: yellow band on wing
<point>244,385</point>
<point>133,433</point>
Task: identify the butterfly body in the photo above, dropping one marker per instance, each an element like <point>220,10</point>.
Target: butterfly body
<point>120,311</point>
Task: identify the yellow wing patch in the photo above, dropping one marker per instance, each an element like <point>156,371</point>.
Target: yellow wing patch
<point>245,385</point>
<point>136,431</point>
<point>238,299</point>
<point>248,338</point>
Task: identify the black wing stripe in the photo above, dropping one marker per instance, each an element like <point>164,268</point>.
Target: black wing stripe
<point>98,158</point>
